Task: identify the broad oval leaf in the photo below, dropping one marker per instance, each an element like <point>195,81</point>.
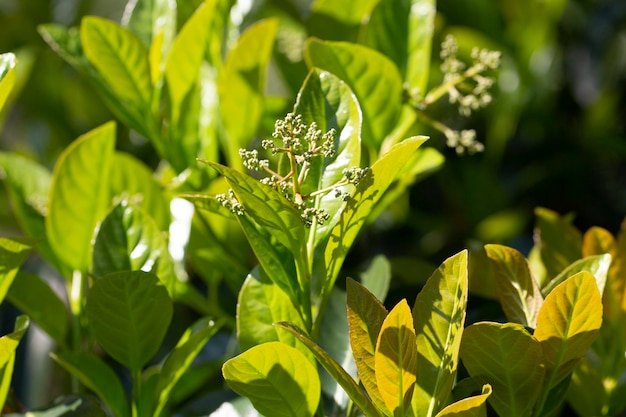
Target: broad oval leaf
<point>79,196</point>
<point>7,76</point>
<point>395,359</point>
<point>439,316</point>
<point>518,292</point>
<point>373,78</point>
<point>366,315</point>
<point>475,406</point>
<point>277,378</point>
<point>568,323</point>
<point>13,252</point>
<point>98,377</point>
<point>598,265</point>
<point>510,360</point>
<point>129,313</point>
<point>120,58</point>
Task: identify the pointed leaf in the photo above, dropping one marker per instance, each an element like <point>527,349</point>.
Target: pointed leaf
<point>7,76</point>
<point>98,377</point>
<point>597,265</point>
<point>382,173</point>
<point>373,78</point>
<point>8,345</point>
<point>354,391</point>
<point>421,28</point>
<point>129,313</point>
<point>475,406</point>
<point>33,296</point>
<point>439,316</point>
<point>510,360</point>
<point>149,19</point>
<point>395,359</point>
<point>13,253</point>
<point>366,315</point>
<point>518,292</point>
<point>277,378</point>
<point>568,323</point>
<point>598,241</point>
<point>82,170</point>
<point>121,59</point>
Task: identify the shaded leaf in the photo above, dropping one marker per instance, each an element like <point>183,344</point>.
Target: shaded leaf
<point>377,277</point>
<point>129,313</point>
<point>586,393</point>
<point>150,19</point>
<point>277,378</point>
<point>475,406</point>
<point>510,360</point>
<point>68,406</point>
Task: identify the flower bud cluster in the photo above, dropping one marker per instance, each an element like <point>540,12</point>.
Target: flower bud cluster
<point>463,141</point>
<point>229,200</point>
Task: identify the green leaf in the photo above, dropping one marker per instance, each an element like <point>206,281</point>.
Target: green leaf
<point>377,277</point>
<point>568,323</point>
<point>129,313</point>
<point>475,406</point>
<point>262,303</point>
<point>366,315</point>
<point>98,377</point>
<point>421,28</point>
<point>586,393</point>
<point>133,180</point>
<point>8,345</point>
<point>129,240</point>
<point>241,86</point>
<point>354,391</point>
<point>329,102</point>
<point>239,407</point>
<point>267,207</point>
<point>68,406</point>
<point>345,11</point>
<point>373,78</point>
<point>121,59</point>
<point>597,265</point>
<point>510,359</point>
<point>382,173</point>
<point>13,252</point>
<point>8,62</point>
<point>518,292</point>
<point>79,196</point>
<point>150,19</point>
<point>35,298</point>
<point>277,378</point>
<point>395,359</point>
<point>179,361</point>
<point>439,316</point>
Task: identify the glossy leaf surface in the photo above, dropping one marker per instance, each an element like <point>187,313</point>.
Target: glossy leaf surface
<point>475,406</point>
<point>278,379</point>
<point>597,265</point>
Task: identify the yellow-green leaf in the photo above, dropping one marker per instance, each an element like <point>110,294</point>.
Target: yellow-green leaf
<point>475,406</point>
<point>395,359</point>
<point>568,323</point>
<point>7,76</point>
<point>518,292</point>
<point>8,345</point>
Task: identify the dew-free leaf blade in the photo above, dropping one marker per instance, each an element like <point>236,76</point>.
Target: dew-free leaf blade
<point>98,377</point>
<point>129,313</point>
<point>475,406</point>
<point>81,171</point>
<point>13,252</point>
<point>395,359</point>
<point>518,292</point>
<point>508,358</point>
<point>439,316</point>
<point>568,323</point>
<point>354,391</point>
<point>373,78</point>
<point>149,19</point>
<point>8,345</point>
<point>598,265</point>
<point>278,379</point>
<point>8,62</point>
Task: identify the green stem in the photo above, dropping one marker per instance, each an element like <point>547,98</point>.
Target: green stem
<point>439,91</point>
<point>137,380</point>
<point>76,293</point>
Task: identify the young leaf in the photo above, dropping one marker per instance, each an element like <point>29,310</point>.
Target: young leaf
<point>366,315</point>
<point>598,241</point>
<point>35,298</point>
<point>8,345</point>
<point>475,406</point>
<point>98,377</point>
<point>421,28</point>
<point>597,265</point>
<point>518,292</point>
<point>121,59</point>
<point>277,378</point>
<point>373,78</point>
<point>81,171</point>
<point>354,391</point>
<point>129,313</point>
<point>439,316</point>
<point>344,11</point>
<point>395,359</point>
<point>383,172</point>
<point>149,19</point>
<point>568,323</point>
<point>241,85</point>
<point>510,359</point>
<point>13,253</point>
<point>7,76</point>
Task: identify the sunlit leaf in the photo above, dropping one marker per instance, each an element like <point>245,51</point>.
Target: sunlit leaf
<point>508,358</point>
<point>475,406</point>
<point>7,76</point>
<point>439,316</point>
<point>13,252</point>
<point>568,323</point>
<point>598,265</point>
<point>373,78</point>
<point>149,19</point>
<point>79,195</point>
<point>518,292</point>
<point>8,345</point>
<point>129,313</point>
<point>345,11</point>
<point>98,377</point>
<point>277,378</point>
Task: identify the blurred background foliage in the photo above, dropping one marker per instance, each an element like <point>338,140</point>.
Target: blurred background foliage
<point>555,135</point>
